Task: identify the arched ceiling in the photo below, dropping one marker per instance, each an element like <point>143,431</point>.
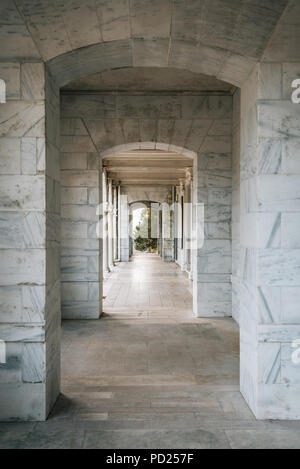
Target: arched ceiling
<point>221,38</point>
<point>148,167</point>
<point>149,80</point>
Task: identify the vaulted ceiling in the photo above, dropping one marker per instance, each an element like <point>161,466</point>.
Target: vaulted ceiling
<point>150,80</point>
<point>221,38</point>
<point>148,167</point>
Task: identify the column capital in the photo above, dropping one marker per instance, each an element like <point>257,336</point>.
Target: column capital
<point>188,176</point>
<point>181,187</point>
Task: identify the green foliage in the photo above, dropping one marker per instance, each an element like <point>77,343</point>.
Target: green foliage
<point>142,233</point>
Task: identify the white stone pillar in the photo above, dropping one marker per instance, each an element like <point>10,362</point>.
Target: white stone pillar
<point>119,220</point>
<point>167,232</point>
<point>191,229</point>
<point>187,222</point>
<point>115,223</point>
<point>160,231</point>
<point>124,228</point>
<point>181,224</point>
<point>269,255</point>
<point>110,225</point>
<point>212,182</point>
<point>81,233</point>
<point>176,226</point>
<point>105,224</point>
<point>29,244</point>
<point>130,234</point>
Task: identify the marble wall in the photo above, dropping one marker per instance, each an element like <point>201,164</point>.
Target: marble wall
<point>81,248</point>
<point>30,238</point>
<point>269,240</point>
<point>212,186</point>
<point>188,122</point>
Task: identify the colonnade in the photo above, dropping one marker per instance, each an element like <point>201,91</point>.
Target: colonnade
<point>173,220</point>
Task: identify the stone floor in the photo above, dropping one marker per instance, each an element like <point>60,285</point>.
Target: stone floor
<point>148,375</point>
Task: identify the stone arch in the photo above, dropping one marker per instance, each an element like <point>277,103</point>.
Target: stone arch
<point>189,55</point>
<point>136,204</point>
<point>148,146</point>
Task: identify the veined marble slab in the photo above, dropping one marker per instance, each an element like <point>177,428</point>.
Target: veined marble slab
<point>22,119</point>
<point>278,332</point>
<point>290,301</point>
<point>22,333</point>
<point>34,363</point>
<point>23,266</point>
<point>22,229</point>
<point>279,267</point>
<point>278,119</point>
<point>269,363</point>
<point>10,156</point>
<point>33,81</point>
<point>31,197</point>
<point>269,305</point>
<point>279,193</point>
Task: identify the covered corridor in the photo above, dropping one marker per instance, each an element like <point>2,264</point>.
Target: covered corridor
<point>148,375</point>
<point>191,108</point>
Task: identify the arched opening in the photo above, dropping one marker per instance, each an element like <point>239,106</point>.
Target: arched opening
<point>149,73</point>
<point>147,177</point>
<point>173,148</point>
<point>144,227</point>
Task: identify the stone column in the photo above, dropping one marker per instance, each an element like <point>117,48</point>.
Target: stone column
<point>119,221</point>
<point>29,243</point>
<point>105,224</point>
<point>187,222</point>
<point>167,234</point>
<point>180,224</point>
<point>160,231</point>
<point>124,228</point>
<point>154,222</point>
<point>130,234</point>
<point>269,242</point>
<point>115,223</point>
<point>81,243</point>
<point>110,225</point>
<point>176,225</point>
<point>191,230</point>
<point>212,180</point>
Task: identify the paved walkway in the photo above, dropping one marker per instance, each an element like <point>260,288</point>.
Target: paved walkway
<point>148,288</point>
<point>148,375</point>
